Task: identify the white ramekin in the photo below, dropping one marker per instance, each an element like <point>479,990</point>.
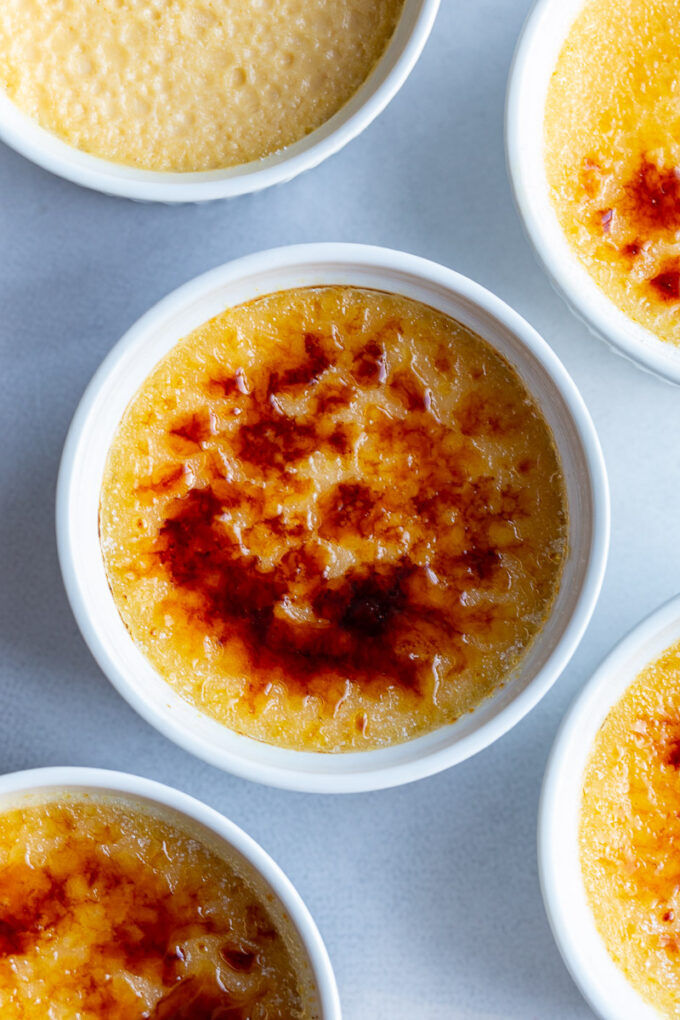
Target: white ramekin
<point>534,62</point>
<point>250,860</point>
<point>600,980</point>
<point>50,152</point>
<point>118,379</point>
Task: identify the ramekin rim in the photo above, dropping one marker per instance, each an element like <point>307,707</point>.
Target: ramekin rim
<point>627,337</point>
<point>560,771</point>
<point>122,181</point>
<point>439,759</point>
<point>88,778</point>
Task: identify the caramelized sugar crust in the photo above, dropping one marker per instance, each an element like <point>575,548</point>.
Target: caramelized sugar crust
<point>630,833</point>
<point>333,518</point>
<point>613,154</point>
<point>107,913</point>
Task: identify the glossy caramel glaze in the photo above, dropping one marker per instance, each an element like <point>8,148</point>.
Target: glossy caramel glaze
<point>613,155</point>
<point>630,833</point>
<point>333,518</point>
<point>108,913</point>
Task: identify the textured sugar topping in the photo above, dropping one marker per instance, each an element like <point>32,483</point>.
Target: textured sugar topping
<point>333,518</point>
<point>630,833</point>
<point>107,913</point>
<point>188,85</point>
<point>612,132</point>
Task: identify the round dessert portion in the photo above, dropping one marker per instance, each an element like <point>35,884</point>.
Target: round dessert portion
<point>187,85</point>
<point>110,913</point>
<point>612,135</point>
<point>333,519</point>
<point>630,833</point>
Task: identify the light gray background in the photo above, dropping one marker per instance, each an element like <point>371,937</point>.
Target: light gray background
<point>427,896</point>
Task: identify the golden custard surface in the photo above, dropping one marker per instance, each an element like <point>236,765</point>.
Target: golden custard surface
<point>108,913</point>
<point>630,833</point>
<point>612,134</point>
<point>188,84</point>
<point>333,518</point>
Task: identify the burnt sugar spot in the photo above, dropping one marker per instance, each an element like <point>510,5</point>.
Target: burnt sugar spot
<point>479,562</point>
<point>166,479</point>
<point>479,415</point>
<point>352,508</point>
<point>369,365</point>
<point>238,959</point>
<point>233,386</point>
<point>275,440</point>
<point>315,363</point>
<point>651,200</point>
<point>366,603</point>
<point>666,284</point>
<point>195,428</point>
<point>332,397</point>
<point>16,937</point>
<point>359,617</point>
<point>410,391</point>
<point>631,250</point>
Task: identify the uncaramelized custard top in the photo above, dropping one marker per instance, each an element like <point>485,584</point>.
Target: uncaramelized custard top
<point>107,913</point>
<point>613,156</point>
<point>333,518</point>
<point>188,85</point>
<point>630,832</point>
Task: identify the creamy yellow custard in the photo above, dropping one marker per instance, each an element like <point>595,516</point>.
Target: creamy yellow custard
<point>333,518</point>
<point>630,833</point>
<point>110,913</point>
<point>188,84</point>
<point>612,143</point>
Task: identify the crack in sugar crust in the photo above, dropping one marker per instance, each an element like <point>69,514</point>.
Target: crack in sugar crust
<point>613,156</point>
<point>333,518</point>
<point>630,832</point>
<point>188,85</point>
<point>107,913</point>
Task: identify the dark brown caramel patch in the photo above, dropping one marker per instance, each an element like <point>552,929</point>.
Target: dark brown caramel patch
<point>415,397</point>
<point>631,250</point>
<point>370,364</point>
<point>195,429</point>
<point>651,202</point>
<point>360,616</point>
<point>667,284</point>
<point>315,363</point>
<point>276,440</point>
<point>352,509</point>
<point>672,753</point>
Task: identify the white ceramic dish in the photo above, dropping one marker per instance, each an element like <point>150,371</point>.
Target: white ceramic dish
<point>124,370</point>
<point>571,920</point>
<point>50,152</point>
<point>251,861</point>
<point>535,58</point>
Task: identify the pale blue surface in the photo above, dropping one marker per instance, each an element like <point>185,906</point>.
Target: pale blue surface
<point>427,896</point>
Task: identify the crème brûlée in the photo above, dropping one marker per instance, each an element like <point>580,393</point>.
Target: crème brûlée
<point>108,912</point>
<point>333,518</point>
<point>630,833</point>
<point>612,137</point>
<point>188,85</point>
